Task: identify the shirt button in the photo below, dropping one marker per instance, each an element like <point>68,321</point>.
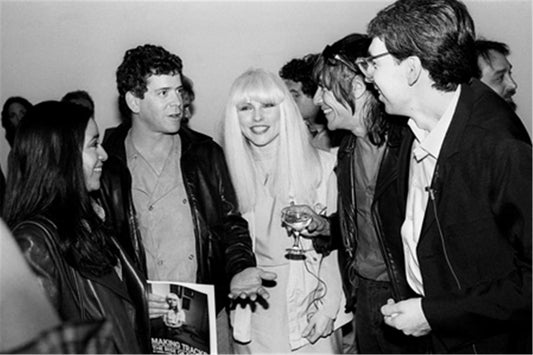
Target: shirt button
<point>159,262</point>
<point>151,207</point>
<point>184,201</point>
<point>191,257</point>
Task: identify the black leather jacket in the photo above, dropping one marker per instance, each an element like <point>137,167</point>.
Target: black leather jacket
<point>386,215</point>
<point>223,243</point>
<point>78,296</point>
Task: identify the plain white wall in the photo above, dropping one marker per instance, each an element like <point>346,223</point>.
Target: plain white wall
<point>51,47</point>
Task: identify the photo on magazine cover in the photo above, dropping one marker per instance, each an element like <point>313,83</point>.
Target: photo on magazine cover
<point>187,327</point>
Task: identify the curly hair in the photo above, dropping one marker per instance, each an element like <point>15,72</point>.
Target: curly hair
<point>440,33</point>
<point>138,64</point>
<point>301,70</point>
<point>6,121</point>
<point>337,77</point>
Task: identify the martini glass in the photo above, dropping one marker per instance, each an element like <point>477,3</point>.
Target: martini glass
<point>295,222</point>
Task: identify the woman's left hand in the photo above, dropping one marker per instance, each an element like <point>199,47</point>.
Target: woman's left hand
<point>320,325</point>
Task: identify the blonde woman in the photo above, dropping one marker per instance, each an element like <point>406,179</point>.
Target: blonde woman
<point>273,164</point>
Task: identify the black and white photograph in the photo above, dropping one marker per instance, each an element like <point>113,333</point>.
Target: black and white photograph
<point>266,176</point>
<point>187,327</point>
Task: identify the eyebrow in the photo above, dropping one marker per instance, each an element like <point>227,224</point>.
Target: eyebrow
<point>501,71</point>
<point>168,88</point>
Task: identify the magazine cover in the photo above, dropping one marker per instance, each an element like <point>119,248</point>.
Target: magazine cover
<point>189,327</point>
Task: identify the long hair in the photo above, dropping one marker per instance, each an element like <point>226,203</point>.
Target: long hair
<point>337,77</point>
<point>439,32</point>
<point>45,177</point>
<point>298,169</point>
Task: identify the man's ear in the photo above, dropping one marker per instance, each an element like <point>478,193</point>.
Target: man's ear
<point>358,86</point>
<point>133,102</point>
<point>413,67</point>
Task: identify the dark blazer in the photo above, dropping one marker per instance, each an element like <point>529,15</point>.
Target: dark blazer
<point>475,244</point>
<point>223,243</point>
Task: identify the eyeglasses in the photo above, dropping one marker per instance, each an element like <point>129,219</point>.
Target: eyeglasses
<point>367,65</point>
<point>333,57</point>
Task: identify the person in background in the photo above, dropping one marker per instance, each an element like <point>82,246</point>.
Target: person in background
<point>168,193</point>
<point>465,183</point>
<point>495,68</point>
<point>273,164</point>
<point>13,111</point>
<point>298,76</point>
<point>80,97</point>
<point>188,97</point>
<point>50,205</point>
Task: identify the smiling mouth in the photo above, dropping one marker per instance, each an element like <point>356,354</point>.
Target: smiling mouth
<point>326,110</point>
<point>259,129</point>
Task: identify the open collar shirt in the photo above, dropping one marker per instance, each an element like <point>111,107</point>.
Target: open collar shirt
<point>164,215</point>
<point>424,156</point>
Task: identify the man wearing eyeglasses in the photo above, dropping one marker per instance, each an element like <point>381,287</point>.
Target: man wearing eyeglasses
<point>465,182</point>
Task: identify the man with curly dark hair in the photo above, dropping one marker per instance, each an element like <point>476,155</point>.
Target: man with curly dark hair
<point>168,194</point>
<point>298,76</point>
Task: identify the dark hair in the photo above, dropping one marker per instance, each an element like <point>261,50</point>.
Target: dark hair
<point>337,77</point>
<point>45,177</point>
<point>80,97</point>
<point>188,86</point>
<point>439,32</point>
<point>483,48</point>
<point>188,107</point>
<point>138,64</point>
<point>301,70</point>
<point>6,122</point>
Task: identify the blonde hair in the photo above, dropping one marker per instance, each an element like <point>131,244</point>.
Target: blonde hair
<point>298,171</point>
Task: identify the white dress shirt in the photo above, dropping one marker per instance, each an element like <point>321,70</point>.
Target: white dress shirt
<point>425,152</point>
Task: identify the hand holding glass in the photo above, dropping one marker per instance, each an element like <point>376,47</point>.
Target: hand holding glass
<point>296,221</point>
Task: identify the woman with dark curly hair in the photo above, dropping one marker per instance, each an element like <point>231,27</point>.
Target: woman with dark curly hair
<point>13,111</point>
<point>55,167</point>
